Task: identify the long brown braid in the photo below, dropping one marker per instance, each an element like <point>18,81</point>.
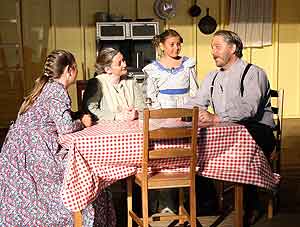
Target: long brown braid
<point>54,66</point>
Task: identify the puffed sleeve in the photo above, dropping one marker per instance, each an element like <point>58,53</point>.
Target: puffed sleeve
<point>60,112</point>
<point>150,86</point>
<point>190,71</point>
<point>139,99</point>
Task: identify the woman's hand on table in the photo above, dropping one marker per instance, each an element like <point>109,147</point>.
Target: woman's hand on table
<point>86,120</point>
<point>129,114</point>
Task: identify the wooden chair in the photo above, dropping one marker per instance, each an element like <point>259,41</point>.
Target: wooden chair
<point>277,97</point>
<point>80,86</point>
<point>160,180</point>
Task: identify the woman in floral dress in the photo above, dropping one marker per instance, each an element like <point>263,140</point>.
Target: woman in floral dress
<point>31,162</point>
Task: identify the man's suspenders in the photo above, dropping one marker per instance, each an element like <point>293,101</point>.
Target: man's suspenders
<point>243,77</point>
<point>242,84</point>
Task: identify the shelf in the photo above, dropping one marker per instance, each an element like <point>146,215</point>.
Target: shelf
<point>14,21</point>
<point>3,45</point>
<point>11,69</point>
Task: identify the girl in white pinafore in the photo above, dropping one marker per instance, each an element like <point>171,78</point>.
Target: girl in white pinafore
<point>172,78</point>
<point>168,83</point>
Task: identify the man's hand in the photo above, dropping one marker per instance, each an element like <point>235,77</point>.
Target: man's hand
<point>205,116</point>
<point>274,156</point>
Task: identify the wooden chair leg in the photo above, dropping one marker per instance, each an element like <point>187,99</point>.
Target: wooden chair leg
<point>193,206</point>
<point>77,219</point>
<point>145,206</point>
<point>181,206</point>
<point>238,200</point>
<point>270,208</point>
<point>129,200</point>
<point>220,188</point>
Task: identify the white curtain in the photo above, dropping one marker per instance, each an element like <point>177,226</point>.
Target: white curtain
<point>252,21</point>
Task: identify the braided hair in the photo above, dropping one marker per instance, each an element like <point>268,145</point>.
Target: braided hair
<point>54,66</point>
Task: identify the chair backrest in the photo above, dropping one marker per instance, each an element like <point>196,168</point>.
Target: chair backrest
<point>277,97</point>
<point>170,131</point>
<point>80,86</point>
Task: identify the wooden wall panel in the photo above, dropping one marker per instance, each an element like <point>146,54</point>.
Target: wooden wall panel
<point>37,38</point>
<point>70,24</point>
<point>145,10</point>
<point>88,10</point>
<point>11,83</point>
<point>204,59</point>
<point>182,24</point>
<point>258,57</point>
<point>126,8</point>
<point>68,33</point>
<point>289,55</point>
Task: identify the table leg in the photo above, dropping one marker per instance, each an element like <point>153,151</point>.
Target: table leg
<point>129,200</point>
<point>77,219</point>
<point>238,194</point>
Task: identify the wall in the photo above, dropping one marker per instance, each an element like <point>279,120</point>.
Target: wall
<point>69,24</point>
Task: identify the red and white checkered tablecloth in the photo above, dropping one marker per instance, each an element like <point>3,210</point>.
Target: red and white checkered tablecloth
<point>112,150</point>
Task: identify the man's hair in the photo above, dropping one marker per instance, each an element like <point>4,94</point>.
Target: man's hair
<point>232,38</point>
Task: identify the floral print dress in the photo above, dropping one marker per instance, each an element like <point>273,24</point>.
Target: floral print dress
<point>32,165</point>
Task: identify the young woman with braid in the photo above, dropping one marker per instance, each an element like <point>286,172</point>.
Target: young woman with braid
<point>32,164</point>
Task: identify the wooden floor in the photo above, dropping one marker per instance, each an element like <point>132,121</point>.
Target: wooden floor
<point>289,189</point>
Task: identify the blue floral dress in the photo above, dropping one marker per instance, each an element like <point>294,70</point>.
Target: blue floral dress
<point>32,164</point>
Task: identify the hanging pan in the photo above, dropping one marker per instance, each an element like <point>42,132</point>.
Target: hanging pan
<point>164,9</point>
<point>195,10</point>
<point>207,24</point>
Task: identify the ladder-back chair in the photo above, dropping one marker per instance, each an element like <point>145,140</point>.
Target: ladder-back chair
<point>277,97</point>
<point>80,87</point>
<point>160,180</point>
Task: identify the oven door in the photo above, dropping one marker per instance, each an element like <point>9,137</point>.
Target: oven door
<point>111,30</point>
<point>143,30</point>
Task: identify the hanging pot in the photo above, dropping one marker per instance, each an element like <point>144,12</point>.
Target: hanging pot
<point>164,9</point>
<point>195,10</point>
<point>207,24</point>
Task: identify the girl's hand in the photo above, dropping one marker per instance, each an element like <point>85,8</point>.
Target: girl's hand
<point>86,120</point>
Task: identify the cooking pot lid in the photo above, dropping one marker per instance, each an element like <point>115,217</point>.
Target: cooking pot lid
<point>164,9</point>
